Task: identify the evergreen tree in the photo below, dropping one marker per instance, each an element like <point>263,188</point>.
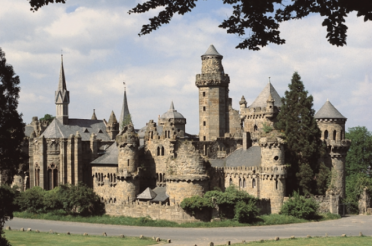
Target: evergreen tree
<point>303,144</point>
<point>11,125</point>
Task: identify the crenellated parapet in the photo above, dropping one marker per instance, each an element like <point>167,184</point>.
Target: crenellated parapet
<point>212,79</point>
<point>338,148</point>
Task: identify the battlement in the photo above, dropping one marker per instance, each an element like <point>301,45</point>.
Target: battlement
<point>254,170</point>
<point>270,142</point>
<point>330,120</point>
<point>210,79</point>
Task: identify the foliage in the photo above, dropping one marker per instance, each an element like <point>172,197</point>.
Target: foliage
<point>358,165</point>
<point>32,200</point>
<point>47,118</point>
<point>11,124</point>
<point>68,198</point>
<point>300,207</point>
<point>80,198</point>
<point>303,144</point>
<point>6,210</point>
<point>232,203</point>
<point>195,203</point>
<point>266,128</point>
<point>323,179</point>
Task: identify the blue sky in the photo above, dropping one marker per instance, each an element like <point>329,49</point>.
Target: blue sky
<point>102,49</point>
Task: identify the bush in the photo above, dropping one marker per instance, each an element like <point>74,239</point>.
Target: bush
<point>300,207</point>
<point>32,200</point>
<point>79,199</point>
<point>232,203</point>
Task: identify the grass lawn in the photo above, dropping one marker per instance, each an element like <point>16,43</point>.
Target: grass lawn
<point>272,219</point>
<point>316,241</point>
<point>18,238</point>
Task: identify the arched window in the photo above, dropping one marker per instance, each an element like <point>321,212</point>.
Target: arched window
<point>244,184</point>
<point>101,177</point>
<point>255,128</point>
<point>128,162</point>
<point>253,183</point>
<point>37,175</point>
<point>240,183</point>
<point>168,134</point>
<point>158,151</point>
<point>325,134</point>
<point>276,184</point>
<point>52,176</point>
<point>334,134</point>
<point>230,182</point>
<point>161,178</point>
<point>204,138</point>
<point>162,150</point>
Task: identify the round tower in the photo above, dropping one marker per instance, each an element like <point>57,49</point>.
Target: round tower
<point>186,175</point>
<point>332,125</point>
<point>213,86</point>
<point>273,172</point>
<point>127,174</point>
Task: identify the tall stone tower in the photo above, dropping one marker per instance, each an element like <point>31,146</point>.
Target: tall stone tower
<point>213,86</point>
<point>332,125</point>
<point>62,97</point>
<point>125,116</point>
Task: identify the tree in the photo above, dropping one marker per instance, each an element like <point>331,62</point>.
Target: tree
<point>303,144</point>
<point>11,124</point>
<point>47,118</point>
<point>6,210</point>
<point>358,165</point>
<point>261,19</point>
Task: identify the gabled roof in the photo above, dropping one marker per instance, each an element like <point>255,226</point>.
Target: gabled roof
<point>261,100</point>
<point>328,111</point>
<point>85,128</point>
<point>147,194</point>
<point>161,195</point>
<point>240,158</point>
<point>110,157</point>
<point>211,51</point>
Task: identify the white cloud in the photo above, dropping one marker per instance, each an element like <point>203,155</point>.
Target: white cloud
<point>102,49</point>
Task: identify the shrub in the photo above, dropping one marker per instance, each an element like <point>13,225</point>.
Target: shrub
<point>79,199</point>
<point>300,207</point>
<point>246,212</point>
<point>196,203</point>
<point>32,200</point>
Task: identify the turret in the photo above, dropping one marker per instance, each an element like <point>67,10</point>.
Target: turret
<point>127,142</point>
<point>213,86</point>
<point>62,98</point>
<point>175,119</point>
<point>270,110</point>
<point>332,125</point>
<point>112,126</point>
<point>94,117</point>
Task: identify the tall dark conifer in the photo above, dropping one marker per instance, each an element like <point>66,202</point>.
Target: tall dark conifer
<point>296,120</point>
<point>11,124</point>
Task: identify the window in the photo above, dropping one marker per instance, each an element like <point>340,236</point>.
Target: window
<point>204,138</point>
<point>162,150</point>
<point>128,162</point>
<point>230,182</point>
<point>204,123</point>
<point>276,184</point>
<point>240,183</point>
<point>334,134</point>
<point>253,183</point>
<point>203,93</point>
<point>158,151</point>
<point>255,128</point>
<point>244,184</point>
<point>325,134</point>
<point>204,108</point>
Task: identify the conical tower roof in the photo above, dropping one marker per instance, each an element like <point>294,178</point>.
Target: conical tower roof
<point>261,100</point>
<point>62,79</point>
<point>124,111</point>
<point>112,119</point>
<point>211,51</point>
<point>328,111</point>
<point>94,117</point>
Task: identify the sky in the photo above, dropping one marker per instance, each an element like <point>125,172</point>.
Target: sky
<point>102,49</point>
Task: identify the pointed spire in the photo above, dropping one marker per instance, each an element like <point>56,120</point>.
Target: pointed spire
<point>171,107</point>
<point>211,51</point>
<point>62,79</point>
<point>125,115</point>
<point>94,117</point>
<point>112,118</point>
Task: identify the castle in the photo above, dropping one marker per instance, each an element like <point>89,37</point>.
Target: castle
<point>151,170</point>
